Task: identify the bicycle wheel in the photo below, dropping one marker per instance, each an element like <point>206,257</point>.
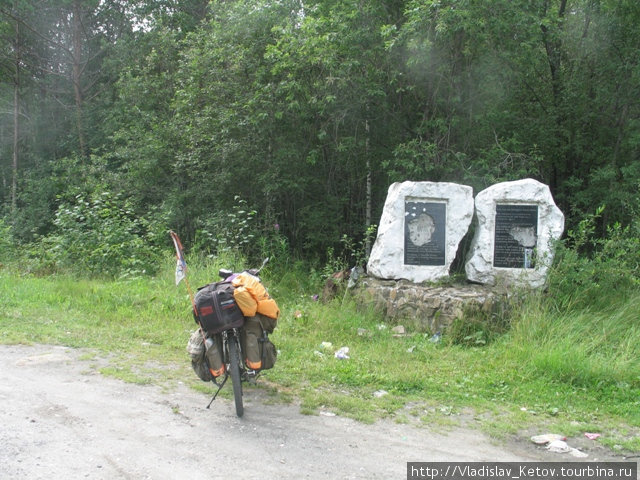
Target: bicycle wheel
<point>234,370</point>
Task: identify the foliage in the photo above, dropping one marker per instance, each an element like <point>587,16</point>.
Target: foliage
<point>8,248</point>
<point>309,110</point>
<point>235,230</point>
<point>591,270</point>
<point>356,252</point>
<point>99,234</point>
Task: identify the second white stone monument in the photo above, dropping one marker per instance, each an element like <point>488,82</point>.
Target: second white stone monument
<point>517,224</point>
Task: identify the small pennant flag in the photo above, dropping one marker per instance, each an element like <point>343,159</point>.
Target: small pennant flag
<point>181,264</point>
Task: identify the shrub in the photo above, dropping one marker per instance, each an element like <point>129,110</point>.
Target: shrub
<point>225,231</point>
<point>99,234</point>
<point>593,271</point>
<point>7,246</point>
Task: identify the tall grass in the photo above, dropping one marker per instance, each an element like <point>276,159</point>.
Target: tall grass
<point>586,348</point>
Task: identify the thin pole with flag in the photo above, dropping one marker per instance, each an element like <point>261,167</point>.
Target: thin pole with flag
<point>181,266</point>
<point>181,274</point>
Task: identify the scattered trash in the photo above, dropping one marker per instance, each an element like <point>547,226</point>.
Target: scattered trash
<point>380,393</point>
<point>316,297</point>
<point>558,446</point>
<point>327,414</point>
<point>318,354</point>
<point>591,436</point>
<point>547,438</point>
<point>398,330</point>
<point>297,314</point>
<point>342,353</point>
<point>382,326</point>
<point>411,349</point>
<point>436,337</point>
<point>327,345</point>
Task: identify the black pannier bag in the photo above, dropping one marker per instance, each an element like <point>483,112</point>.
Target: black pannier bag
<point>216,309</point>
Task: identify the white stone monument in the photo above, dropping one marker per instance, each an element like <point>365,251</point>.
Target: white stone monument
<point>517,224</point>
<point>420,229</point>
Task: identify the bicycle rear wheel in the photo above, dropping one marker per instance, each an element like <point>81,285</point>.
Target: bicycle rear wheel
<point>234,370</point>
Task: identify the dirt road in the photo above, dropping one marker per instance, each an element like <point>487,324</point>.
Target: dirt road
<point>60,419</point>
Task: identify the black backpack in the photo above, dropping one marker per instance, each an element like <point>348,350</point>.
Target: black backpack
<point>216,309</point>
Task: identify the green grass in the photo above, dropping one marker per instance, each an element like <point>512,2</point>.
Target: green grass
<point>569,372</point>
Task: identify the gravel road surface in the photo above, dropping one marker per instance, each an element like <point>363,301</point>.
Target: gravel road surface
<point>61,419</point>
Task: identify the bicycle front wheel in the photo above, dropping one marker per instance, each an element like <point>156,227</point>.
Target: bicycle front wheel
<point>234,370</point>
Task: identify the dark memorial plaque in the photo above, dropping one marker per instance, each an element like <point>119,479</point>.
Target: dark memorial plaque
<point>425,226</point>
<point>516,235</point>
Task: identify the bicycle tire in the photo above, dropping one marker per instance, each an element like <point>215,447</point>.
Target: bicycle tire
<point>234,370</point>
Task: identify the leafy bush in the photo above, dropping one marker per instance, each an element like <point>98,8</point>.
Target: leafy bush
<point>227,231</point>
<point>244,233</point>
<point>596,271</point>
<point>7,246</point>
<point>99,234</point>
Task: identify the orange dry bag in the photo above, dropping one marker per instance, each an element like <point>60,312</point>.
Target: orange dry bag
<point>252,297</point>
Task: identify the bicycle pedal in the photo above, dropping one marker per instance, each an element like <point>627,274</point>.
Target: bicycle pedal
<point>251,376</point>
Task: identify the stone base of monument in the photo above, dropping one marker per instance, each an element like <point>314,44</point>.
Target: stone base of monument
<point>429,308</point>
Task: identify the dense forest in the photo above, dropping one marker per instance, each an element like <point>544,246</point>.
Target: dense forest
<point>280,124</point>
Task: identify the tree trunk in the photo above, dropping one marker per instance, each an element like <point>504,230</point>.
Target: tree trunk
<point>16,123</point>
<point>368,208</point>
<point>553,46</point>
<point>622,120</point>
<point>77,76</point>
<point>561,168</point>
